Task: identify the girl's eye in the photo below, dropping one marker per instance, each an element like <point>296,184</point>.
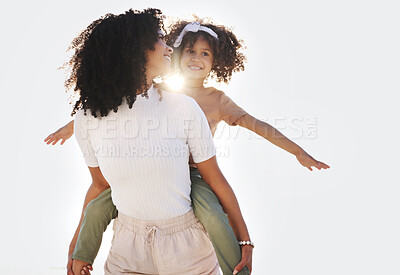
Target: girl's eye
<point>189,51</point>
<point>205,54</point>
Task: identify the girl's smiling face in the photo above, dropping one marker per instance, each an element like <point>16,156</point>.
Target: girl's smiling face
<point>196,62</point>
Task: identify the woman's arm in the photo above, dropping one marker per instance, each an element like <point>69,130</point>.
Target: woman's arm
<point>211,174</point>
<point>63,133</point>
<point>99,184</point>
<point>271,134</point>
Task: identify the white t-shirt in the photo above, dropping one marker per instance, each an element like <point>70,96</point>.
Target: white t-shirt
<point>143,152</point>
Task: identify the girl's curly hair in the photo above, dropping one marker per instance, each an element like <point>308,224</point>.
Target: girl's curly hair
<point>109,60</point>
<point>226,50</point>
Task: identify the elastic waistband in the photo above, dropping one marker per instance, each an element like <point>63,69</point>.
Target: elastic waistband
<point>165,227</point>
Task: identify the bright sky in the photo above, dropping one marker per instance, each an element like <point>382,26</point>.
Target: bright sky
<point>325,73</point>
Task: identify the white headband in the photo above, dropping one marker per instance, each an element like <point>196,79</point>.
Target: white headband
<point>193,27</point>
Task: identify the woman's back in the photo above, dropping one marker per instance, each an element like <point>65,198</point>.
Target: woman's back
<point>143,152</point>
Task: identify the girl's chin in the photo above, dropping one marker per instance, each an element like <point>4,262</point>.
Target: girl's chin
<point>194,74</point>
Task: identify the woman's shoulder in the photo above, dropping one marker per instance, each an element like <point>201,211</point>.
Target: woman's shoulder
<point>180,102</point>
<point>178,98</point>
<point>86,115</point>
<point>82,118</point>
<point>81,115</point>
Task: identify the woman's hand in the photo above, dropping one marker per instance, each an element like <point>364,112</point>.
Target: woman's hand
<point>247,259</point>
<point>212,175</point>
<point>81,268</point>
<point>308,161</point>
<point>63,133</point>
<point>99,184</point>
<point>70,251</point>
<point>69,265</point>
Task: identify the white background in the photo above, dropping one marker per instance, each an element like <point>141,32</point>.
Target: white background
<point>336,61</point>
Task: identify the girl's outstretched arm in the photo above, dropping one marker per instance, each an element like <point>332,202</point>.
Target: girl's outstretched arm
<point>271,134</point>
<point>63,133</point>
<point>212,175</point>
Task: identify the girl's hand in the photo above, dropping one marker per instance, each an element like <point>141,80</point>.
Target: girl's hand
<point>308,161</point>
<point>63,133</point>
<point>247,259</point>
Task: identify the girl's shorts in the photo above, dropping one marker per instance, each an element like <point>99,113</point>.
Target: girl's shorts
<point>174,246</point>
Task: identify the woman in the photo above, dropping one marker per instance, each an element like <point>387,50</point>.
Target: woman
<point>137,140</point>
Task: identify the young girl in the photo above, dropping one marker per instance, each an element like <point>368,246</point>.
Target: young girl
<point>200,50</point>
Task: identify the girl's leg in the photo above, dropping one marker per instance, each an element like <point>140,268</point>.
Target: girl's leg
<point>97,216</point>
<point>209,211</point>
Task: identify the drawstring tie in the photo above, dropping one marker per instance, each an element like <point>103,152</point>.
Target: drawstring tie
<point>151,235</point>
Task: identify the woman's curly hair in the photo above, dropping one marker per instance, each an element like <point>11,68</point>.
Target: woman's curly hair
<point>109,60</point>
<point>226,50</point>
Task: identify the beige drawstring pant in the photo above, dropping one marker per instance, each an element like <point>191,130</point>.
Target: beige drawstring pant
<point>168,247</point>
